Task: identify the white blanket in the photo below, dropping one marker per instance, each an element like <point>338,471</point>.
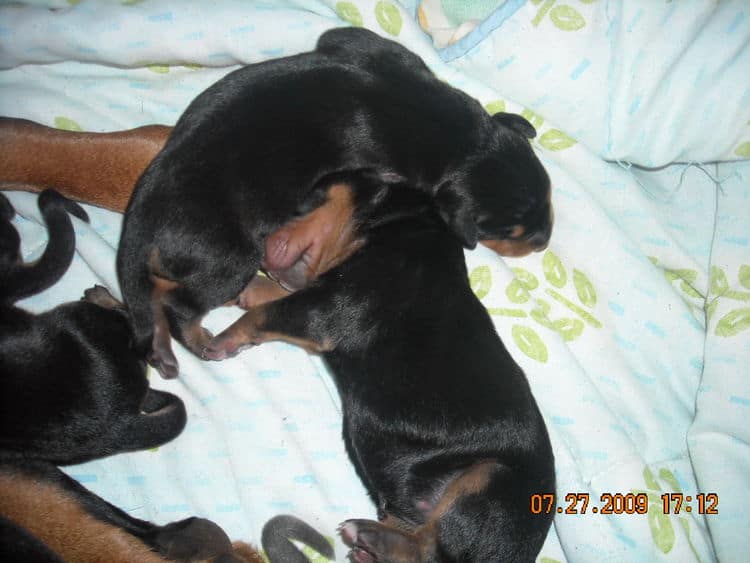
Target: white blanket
<point>641,393</point>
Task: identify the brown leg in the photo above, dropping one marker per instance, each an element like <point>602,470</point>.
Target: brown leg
<point>391,541</point>
<point>260,290</point>
<point>251,329</point>
<point>162,357</point>
<point>306,318</point>
<point>96,168</point>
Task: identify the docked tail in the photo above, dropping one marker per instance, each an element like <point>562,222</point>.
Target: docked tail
<point>19,280</point>
<point>280,530</point>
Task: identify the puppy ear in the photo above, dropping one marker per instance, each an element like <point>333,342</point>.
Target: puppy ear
<point>456,210</point>
<point>516,122</point>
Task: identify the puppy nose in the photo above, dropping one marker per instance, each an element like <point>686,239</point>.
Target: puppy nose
<point>539,241</point>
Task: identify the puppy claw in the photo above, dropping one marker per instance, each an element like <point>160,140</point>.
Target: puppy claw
<point>348,532</point>
<point>167,368</point>
<point>217,351</point>
<point>358,555</point>
<point>377,542</point>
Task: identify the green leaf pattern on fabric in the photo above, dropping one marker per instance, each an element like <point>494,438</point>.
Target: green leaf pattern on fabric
<point>529,342</point>
<point>350,13</point>
<point>480,281</point>
<point>563,16</point>
<point>313,555</point>
<point>736,320</point>
<point>554,270</point>
<point>66,124</point>
<point>556,140</point>
<point>495,106</point>
<point>534,118</point>
<point>584,288</point>
<point>388,17</point>
<point>520,291</point>
<point>745,276</point>
<point>567,18</point>
<point>743,150</point>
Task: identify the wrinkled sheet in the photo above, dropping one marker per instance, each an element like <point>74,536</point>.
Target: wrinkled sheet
<point>633,327</point>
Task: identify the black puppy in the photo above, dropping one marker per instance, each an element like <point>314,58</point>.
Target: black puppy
<point>439,420</point>
<point>71,387</point>
<point>246,156</point>
<point>71,390</point>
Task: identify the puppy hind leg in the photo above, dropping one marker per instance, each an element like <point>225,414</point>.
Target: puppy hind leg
<point>142,293</point>
<point>372,541</point>
<point>161,356</point>
<point>184,319</point>
<point>391,541</point>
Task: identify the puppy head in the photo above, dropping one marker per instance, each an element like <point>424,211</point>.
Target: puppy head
<point>501,195</point>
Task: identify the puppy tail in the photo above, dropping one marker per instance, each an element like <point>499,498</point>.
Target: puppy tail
<point>26,280</point>
<point>162,419</point>
<point>280,530</point>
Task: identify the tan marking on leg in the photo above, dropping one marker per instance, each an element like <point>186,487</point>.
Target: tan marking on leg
<point>399,544</point>
<point>248,331</point>
<point>161,344</point>
<point>259,291</point>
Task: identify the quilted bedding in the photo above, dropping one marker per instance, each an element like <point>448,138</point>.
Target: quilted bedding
<point>633,327</point>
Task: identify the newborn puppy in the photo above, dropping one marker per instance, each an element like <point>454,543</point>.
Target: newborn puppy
<point>71,387</point>
<point>439,420</point>
<point>251,152</point>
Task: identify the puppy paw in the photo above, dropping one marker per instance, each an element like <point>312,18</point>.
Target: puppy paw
<point>193,539</point>
<point>167,366</point>
<point>221,349</point>
<point>357,555</point>
<point>373,541</point>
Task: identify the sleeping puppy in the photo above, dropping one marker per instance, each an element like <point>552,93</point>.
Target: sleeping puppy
<point>439,421</point>
<point>71,388</point>
<point>47,516</point>
<point>72,391</point>
<point>249,154</point>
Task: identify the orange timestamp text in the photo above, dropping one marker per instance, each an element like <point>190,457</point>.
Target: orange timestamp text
<point>624,503</point>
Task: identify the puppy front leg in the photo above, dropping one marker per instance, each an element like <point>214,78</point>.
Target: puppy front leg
<point>301,319</point>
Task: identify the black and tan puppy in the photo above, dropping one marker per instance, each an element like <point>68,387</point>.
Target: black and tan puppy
<point>439,420</point>
<point>71,386</point>
<point>72,390</point>
<point>246,156</point>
